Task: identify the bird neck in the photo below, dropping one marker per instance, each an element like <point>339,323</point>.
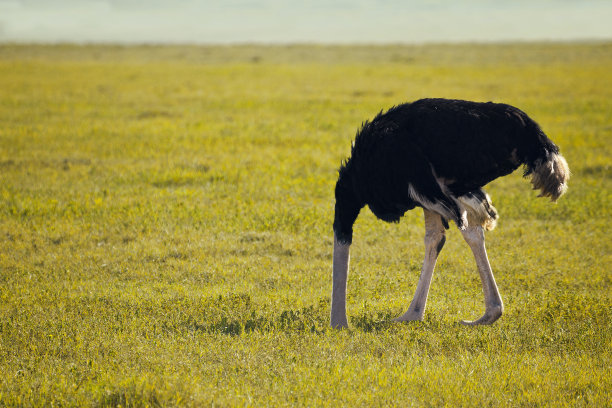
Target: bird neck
<point>346,211</point>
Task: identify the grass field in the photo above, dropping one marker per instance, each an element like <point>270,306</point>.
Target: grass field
<point>165,231</point>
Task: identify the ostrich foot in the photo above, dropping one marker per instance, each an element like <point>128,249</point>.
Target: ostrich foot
<point>490,316</point>
<point>409,316</point>
<point>339,324</point>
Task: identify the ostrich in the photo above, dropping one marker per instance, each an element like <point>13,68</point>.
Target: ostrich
<point>437,154</point>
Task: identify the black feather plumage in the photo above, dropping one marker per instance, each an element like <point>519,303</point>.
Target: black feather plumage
<point>430,152</point>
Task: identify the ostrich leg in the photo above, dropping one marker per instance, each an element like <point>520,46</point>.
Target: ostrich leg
<point>494,307</point>
<point>434,241</point>
<point>340,275</point>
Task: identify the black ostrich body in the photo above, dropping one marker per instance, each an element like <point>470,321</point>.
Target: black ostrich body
<point>432,144</point>
<point>438,154</point>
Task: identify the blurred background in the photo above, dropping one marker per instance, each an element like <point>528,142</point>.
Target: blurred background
<point>299,21</point>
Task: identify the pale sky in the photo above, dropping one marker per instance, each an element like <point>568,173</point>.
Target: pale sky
<point>290,21</point>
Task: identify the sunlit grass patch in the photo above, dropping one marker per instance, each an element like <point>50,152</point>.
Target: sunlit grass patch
<point>165,231</point>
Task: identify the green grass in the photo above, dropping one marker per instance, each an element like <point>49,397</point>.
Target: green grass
<point>165,231</point>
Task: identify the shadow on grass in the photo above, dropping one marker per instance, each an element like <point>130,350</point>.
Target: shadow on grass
<point>236,314</point>
<point>370,322</point>
<point>130,397</point>
<point>306,319</point>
